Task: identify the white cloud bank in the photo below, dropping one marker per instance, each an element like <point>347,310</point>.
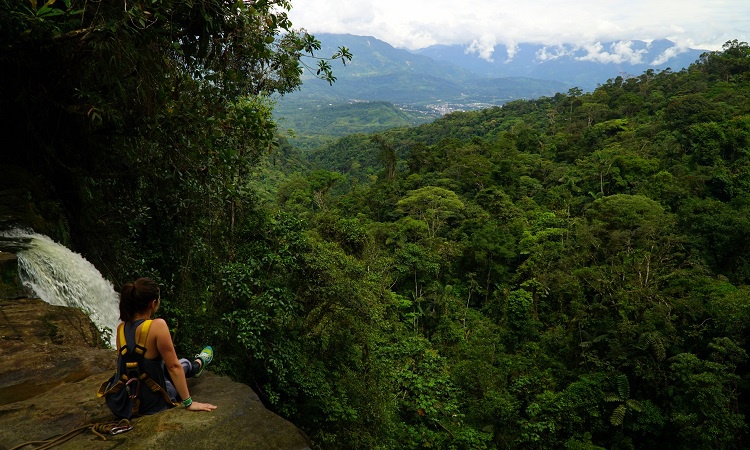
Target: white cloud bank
<point>484,47</point>
<point>483,24</point>
<point>669,54</point>
<point>619,52</point>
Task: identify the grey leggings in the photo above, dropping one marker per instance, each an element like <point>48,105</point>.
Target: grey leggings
<point>189,368</point>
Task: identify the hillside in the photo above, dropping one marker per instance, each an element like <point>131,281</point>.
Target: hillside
<point>570,271</point>
<point>312,123</point>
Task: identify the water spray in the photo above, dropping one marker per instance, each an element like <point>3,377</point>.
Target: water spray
<point>62,277</point>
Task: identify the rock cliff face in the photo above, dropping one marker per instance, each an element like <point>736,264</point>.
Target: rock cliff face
<point>10,285</point>
<point>52,362</point>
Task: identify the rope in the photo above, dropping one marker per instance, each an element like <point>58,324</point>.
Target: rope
<point>99,429</point>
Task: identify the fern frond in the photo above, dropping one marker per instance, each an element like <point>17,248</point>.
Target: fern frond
<point>659,350</point>
<point>623,386</point>
<point>618,415</point>
<point>655,341</point>
<point>635,405</point>
<point>610,397</point>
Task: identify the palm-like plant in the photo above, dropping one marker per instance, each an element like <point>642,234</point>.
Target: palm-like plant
<point>622,396</point>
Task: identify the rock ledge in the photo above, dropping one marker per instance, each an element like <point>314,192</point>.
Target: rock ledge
<point>53,364</point>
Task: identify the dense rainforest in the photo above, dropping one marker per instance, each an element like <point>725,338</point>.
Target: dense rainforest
<point>566,272</point>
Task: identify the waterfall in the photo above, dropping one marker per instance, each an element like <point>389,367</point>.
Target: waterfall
<point>62,277</point>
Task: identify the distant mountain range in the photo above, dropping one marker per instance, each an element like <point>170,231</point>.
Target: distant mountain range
<point>455,74</point>
<point>380,72</point>
<point>427,83</point>
<point>580,66</point>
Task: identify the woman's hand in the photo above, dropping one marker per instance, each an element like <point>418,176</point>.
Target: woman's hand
<point>195,406</point>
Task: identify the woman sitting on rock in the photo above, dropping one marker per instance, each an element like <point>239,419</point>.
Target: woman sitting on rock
<point>149,378</point>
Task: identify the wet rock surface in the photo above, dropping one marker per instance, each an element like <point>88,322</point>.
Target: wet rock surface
<point>10,284</point>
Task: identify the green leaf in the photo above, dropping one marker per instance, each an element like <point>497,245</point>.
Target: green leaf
<point>618,415</point>
<point>635,405</point>
<point>46,11</point>
<point>623,387</point>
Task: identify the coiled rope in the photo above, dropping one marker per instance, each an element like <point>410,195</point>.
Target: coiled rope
<point>100,429</point>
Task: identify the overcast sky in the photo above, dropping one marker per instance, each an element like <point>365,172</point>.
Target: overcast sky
<point>483,24</point>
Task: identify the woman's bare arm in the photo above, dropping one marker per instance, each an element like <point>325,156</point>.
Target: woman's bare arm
<point>165,346</point>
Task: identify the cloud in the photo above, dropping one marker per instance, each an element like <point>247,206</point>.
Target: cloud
<point>483,47</point>
<point>346,16</point>
<point>550,53</point>
<point>668,54</point>
<point>482,51</point>
<point>512,49</point>
<point>483,24</point>
<point>620,52</point>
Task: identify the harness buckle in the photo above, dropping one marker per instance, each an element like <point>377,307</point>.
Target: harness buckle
<point>133,392</point>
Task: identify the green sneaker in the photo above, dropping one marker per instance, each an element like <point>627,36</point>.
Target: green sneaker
<point>206,356</point>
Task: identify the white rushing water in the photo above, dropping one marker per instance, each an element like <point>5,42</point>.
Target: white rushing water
<point>62,277</point>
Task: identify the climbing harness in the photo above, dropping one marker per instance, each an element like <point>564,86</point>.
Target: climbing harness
<point>131,375</point>
<point>100,429</point>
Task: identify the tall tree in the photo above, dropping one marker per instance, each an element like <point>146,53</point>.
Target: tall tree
<point>146,110</point>
<point>433,205</point>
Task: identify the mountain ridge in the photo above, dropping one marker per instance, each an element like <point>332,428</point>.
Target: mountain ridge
<point>422,88</point>
<point>440,73</point>
<point>430,82</point>
<point>585,66</point>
